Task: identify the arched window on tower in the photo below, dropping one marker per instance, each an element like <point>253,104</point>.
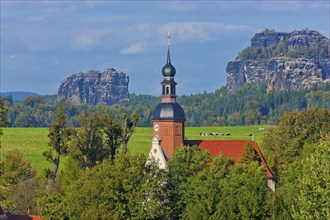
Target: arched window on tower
<point>163,90</point>
<point>167,90</point>
<point>165,128</point>
<point>177,130</point>
<point>172,90</point>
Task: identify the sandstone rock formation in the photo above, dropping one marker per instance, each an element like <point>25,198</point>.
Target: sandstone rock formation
<point>94,87</point>
<point>295,60</point>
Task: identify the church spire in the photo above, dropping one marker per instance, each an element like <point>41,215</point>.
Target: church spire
<point>168,50</point>
<point>168,70</point>
<point>168,84</point>
<point>169,116</point>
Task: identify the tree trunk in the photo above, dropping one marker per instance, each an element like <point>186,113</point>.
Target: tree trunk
<point>124,144</point>
<point>56,165</point>
<point>86,163</point>
<point>50,187</point>
<point>128,130</point>
<point>124,150</point>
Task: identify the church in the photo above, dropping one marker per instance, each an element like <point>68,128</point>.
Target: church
<point>168,129</point>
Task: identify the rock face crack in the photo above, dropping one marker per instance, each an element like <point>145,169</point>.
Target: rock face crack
<point>93,87</point>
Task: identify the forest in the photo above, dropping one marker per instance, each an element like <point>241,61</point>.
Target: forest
<point>250,105</point>
<point>102,180</point>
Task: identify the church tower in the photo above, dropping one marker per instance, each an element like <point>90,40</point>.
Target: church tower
<point>169,118</point>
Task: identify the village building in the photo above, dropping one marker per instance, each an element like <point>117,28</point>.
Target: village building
<point>10,216</point>
<point>169,127</point>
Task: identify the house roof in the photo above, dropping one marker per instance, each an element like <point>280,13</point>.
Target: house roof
<point>22,217</point>
<point>1,212</point>
<point>10,216</point>
<point>229,148</point>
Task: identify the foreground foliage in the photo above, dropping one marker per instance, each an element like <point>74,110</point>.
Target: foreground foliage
<point>298,152</point>
<point>313,189</point>
<point>129,188</point>
<point>193,187</point>
<point>285,143</point>
<point>16,176</point>
<point>124,189</point>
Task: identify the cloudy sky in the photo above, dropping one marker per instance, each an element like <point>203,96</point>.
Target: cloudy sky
<point>43,42</point>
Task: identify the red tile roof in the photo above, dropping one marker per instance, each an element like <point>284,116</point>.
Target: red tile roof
<point>229,148</point>
<point>1,212</point>
<point>10,216</point>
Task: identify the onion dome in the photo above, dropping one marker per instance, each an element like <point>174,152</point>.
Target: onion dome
<point>168,70</point>
<point>169,111</point>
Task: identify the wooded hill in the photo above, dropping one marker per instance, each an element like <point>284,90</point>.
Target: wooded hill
<point>249,105</point>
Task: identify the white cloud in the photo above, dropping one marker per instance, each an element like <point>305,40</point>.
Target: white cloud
<point>140,37</point>
<point>201,31</point>
<point>133,49</point>
<point>90,3</point>
<point>185,31</point>
<point>88,38</point>
<point>317,5</point>
<point>105,20</point>
<point>50,7</point>
<point>288,5</point>
<point>178,6</point>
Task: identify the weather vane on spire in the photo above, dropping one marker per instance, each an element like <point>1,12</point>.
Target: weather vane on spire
<point>168,39</point>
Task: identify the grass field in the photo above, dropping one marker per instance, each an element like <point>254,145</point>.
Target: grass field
<point>31,142</point>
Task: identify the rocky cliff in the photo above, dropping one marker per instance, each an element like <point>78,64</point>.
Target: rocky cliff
<point>94,87</point>
<point>293,60</point>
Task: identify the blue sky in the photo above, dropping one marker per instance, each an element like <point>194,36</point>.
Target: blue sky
<point>43,42</point>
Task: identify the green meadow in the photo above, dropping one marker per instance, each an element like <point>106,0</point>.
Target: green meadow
<point>31,142</point>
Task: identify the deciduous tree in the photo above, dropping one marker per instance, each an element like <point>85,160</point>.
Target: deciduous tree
<point>3,120</point>
<point>124,189</point>
<point>313,184</point>
<point>204,192</point>
<point>112,135</point>
<point>14,169</point>
<point>59,135</point>
<point>187,162</point>
<point>284,143</point>
<point>88,140</point>
<point>128,129</point>
<point>249,154</point>
<point>245,194</point>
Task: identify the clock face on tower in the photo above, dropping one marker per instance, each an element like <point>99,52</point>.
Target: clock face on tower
<point>156,127</point>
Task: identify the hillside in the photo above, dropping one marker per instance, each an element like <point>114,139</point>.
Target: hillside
<point>18,95</point>
<point>248,105</point>
<point>295,60</point>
